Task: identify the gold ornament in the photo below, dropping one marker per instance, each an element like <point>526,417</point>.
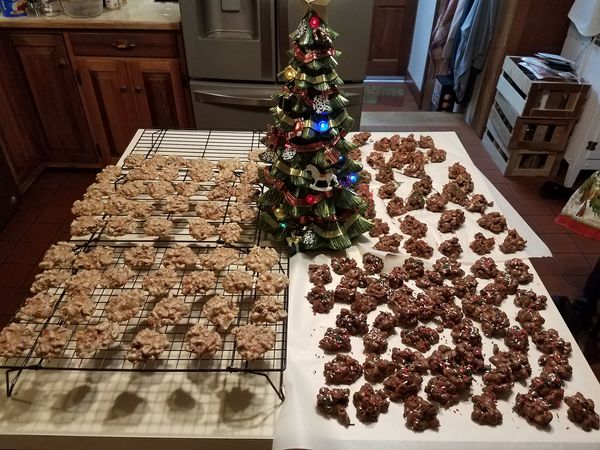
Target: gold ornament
<point>279,213</point>
<point>289,73</point>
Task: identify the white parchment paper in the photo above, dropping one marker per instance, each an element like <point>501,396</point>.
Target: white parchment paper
<point>300,426</point>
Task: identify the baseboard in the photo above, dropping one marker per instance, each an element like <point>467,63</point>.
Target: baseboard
<point>413,89</point>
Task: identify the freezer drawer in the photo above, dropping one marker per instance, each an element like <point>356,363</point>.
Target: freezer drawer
<point>237,106</point>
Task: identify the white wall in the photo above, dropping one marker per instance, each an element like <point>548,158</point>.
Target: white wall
<point>420,43</point>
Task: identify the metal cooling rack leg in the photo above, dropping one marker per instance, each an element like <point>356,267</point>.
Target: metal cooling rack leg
<point>10,384</point>
<point>278,390</point>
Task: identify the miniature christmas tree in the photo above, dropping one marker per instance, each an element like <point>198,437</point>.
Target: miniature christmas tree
<point>310,199</point>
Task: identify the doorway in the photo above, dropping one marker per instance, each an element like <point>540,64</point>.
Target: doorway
<point>400,37</point>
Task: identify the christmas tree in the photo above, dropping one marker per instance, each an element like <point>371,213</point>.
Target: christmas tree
<point>311,201</point>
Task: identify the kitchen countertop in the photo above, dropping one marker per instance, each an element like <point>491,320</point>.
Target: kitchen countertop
<point>136,15</point>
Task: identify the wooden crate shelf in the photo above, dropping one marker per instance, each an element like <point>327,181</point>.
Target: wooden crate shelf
<point>520,162</point>
<point>532,98</point>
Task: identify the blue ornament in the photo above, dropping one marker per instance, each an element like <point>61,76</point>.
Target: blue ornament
<point>283,225</point>
<point>323,126</point>
<point>353,178</point>
<point>341,159</point>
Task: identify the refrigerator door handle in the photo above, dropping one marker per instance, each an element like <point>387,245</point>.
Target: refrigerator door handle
<point>223,99</point>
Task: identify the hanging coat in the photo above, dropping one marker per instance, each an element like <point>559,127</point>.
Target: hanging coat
<point>475,37</point>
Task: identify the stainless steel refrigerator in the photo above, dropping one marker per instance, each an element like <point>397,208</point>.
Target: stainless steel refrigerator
<point>236,48</point>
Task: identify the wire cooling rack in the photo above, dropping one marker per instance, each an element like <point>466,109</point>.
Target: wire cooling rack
<point>189,144</point>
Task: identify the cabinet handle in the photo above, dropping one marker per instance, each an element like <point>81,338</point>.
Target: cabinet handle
<point>138,89</point>
<point>123,88</point>
<point>123,45</point>
<point>62,63</point>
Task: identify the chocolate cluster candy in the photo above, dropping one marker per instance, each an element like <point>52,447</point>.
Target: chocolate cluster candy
<point>451,220</point>
<point>387,190</point>
<point>333,403</point>
<point>436,155</point>
<point>379,228</point>
<point>485,268</point>
<point>421,338</point>
<point>477,203</point>
<point>385,321</point>
<point>395,206</point>
<point>455,170</point>
<point>342,264</point>
<point>418,247</point>
<point>414,268</point>
<point>530,320</point>
<point>549,387</point>
<point>376,160</point>
<point>354,278</point>
<point>494,321</point>
<point>429,279</point>
<point>516,339</point>
<point>465,285</point>
<point>377,369</point>
<point>420,415</point>
<point>389,243</point>
<point>512,243</point>
<point>529,299</point>
<point>363,303</point>
<point>441,390</point>
<point>485,409</point>
<point>451,248</point>
<point>436,202</point>
<point>361,139</point>
<point>372,264</point>
<point>448,268</point>
<point>465,182</point>
<point>581,411</point>
<point>412,360</point>
<point>413,227</point>
<point>370,403</point>
<point>336,340</point>
<point>519,270</point>
<point>534,409</point>
<point>499,380</point>
<point>321,299</point>
<point>415,200</point>
<point>494,222</point>
<point>549,341</point>
<point>375,341</point>
<point>354,323</point>
<point>466,332</point>
<point>402,385</point>
<point>493,294</point>
<point>385,174</point>
<point>556,363</point>
<point>472,305</point>
<point>510,283</point>
<point>319,274</point>
<point>449,314</point>
<point>396,277</point>
<point>454,193</point>
<point>482,245</point>
<point>343,369</point>
<point>344,294</point>
<point>516,361</point>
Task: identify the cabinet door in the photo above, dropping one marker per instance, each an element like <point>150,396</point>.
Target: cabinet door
<point>111,104</point>
<point>45,64</point>
<point>159,93</point>
<point>21,140</point>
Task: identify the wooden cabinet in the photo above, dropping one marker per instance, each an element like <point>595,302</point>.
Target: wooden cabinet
<point>45,65</point>
<point>129,80</point>
<point>74,98</point>
<point>21,139</point>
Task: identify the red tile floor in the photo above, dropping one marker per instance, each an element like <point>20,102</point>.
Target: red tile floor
<point>44,218</point>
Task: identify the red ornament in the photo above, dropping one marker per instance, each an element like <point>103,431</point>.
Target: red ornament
<point>314,22</point>
<point>310,199</point>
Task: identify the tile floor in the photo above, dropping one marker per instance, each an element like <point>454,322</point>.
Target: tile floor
<point>44,216</point>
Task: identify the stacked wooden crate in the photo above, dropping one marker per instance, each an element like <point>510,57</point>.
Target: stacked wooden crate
<point>530,121</point>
